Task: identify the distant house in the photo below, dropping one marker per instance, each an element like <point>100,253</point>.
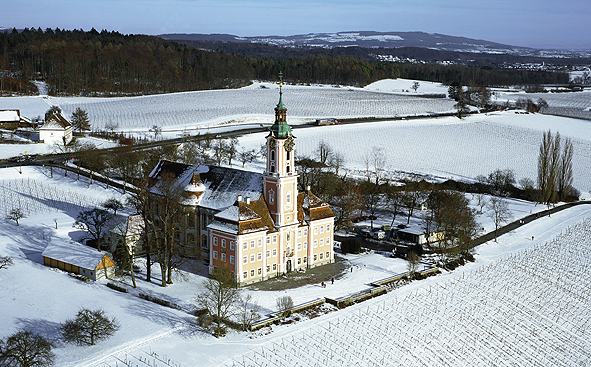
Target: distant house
<point>79,259</point>
<point>12,119</point>
<point>416,234</point>
<point>57,129</point>
<point>129,232</point>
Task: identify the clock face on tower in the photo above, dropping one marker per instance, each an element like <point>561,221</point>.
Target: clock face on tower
<point>289,144</point>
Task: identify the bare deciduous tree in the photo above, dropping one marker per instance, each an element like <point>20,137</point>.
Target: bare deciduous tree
<point>284,305</point>
<point>249,312</point>
<point>15,214</point>
<point>412,262</point>
<point>88,327</point>
<point>220,298</point>
<point>26,349</point>
<point>5,262</point>
<point>93,221</point>
<point>113,204</point>
<point>499,212</point>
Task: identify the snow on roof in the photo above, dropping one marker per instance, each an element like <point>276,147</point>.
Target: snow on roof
<point>75,254</point>
<point>230,214</point>
<point>130,226</point>
<point>9,116</point>
<point>418,230</point>
<point>223,226</point>
<point>56,121</point>
<point>222,184</point>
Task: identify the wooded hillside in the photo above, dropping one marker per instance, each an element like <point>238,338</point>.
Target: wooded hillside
<point>109,63</point>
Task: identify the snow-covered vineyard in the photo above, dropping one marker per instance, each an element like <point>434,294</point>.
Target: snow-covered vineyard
<point>219,106</point>
<point>529,309</point>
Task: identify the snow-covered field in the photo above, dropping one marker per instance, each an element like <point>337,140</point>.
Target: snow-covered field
<point>525,301</point>
<point>197,111</point>
<point>449,147</point>
<point>522,301</point>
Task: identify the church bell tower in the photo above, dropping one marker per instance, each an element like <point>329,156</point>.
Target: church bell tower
<point>280,177</point>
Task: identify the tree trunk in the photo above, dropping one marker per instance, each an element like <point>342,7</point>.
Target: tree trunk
<point>148,266</point>
<point>163,267</point>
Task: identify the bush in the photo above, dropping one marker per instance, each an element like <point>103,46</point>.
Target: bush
<point>116,287</point>
<point>351,246</point>
<point>89,327</point>
<point>161,302</point>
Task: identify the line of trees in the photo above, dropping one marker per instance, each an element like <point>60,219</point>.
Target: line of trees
<point>109,63</point>
<point>555,171</point>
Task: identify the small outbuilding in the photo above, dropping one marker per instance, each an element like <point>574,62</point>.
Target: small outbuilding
<point>12,119</point>
<point>57,129</point>
<point>79,259</point>
<point>128,232</point>
<point>416,234</point>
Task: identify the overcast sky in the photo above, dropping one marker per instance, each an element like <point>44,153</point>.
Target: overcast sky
<point>564,24</point>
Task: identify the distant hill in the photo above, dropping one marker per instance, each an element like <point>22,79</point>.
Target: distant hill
<point>382,40</point>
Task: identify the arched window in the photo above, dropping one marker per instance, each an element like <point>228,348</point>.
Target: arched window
<point>272,168</point>
<point>288,155</point>
<point>272,155</point>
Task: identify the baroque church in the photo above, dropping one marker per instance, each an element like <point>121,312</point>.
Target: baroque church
<point>257,224</point>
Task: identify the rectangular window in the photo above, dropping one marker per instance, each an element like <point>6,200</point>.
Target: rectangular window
<point>327,254</point>
<point>274,267</point>
<point>305,245</point>
<point>315,230</point>
<point>260,271</point>
<point>215,254</point>
<point>328,228</point>
<point>260,242</point>
<point>223,243</point>
<point>322,242</point>
<point>268,268</point>
<point>223,257</point>
<point>268,253</point>
<point>268,240</point>
<point>215,241</point>
<point>299,247</point>
<point>274,252</point>
<point>245,275</point>
<point>305,259</point>
<point>299,260</point>
<point>315,257</point>
<point>321,229</point>
<point>327,241</point>
<point>321,256</point>
<point>252,273</point>
<point>245,259</point>
<point>231,245</point>
<point>259,256</point>
<point>305,231</point>
<point>231,259</point>
<point>252,258</point>
<point>244,245</point>
<point>315,243</point>
<point>252,244</point>
<point>300,233</point>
